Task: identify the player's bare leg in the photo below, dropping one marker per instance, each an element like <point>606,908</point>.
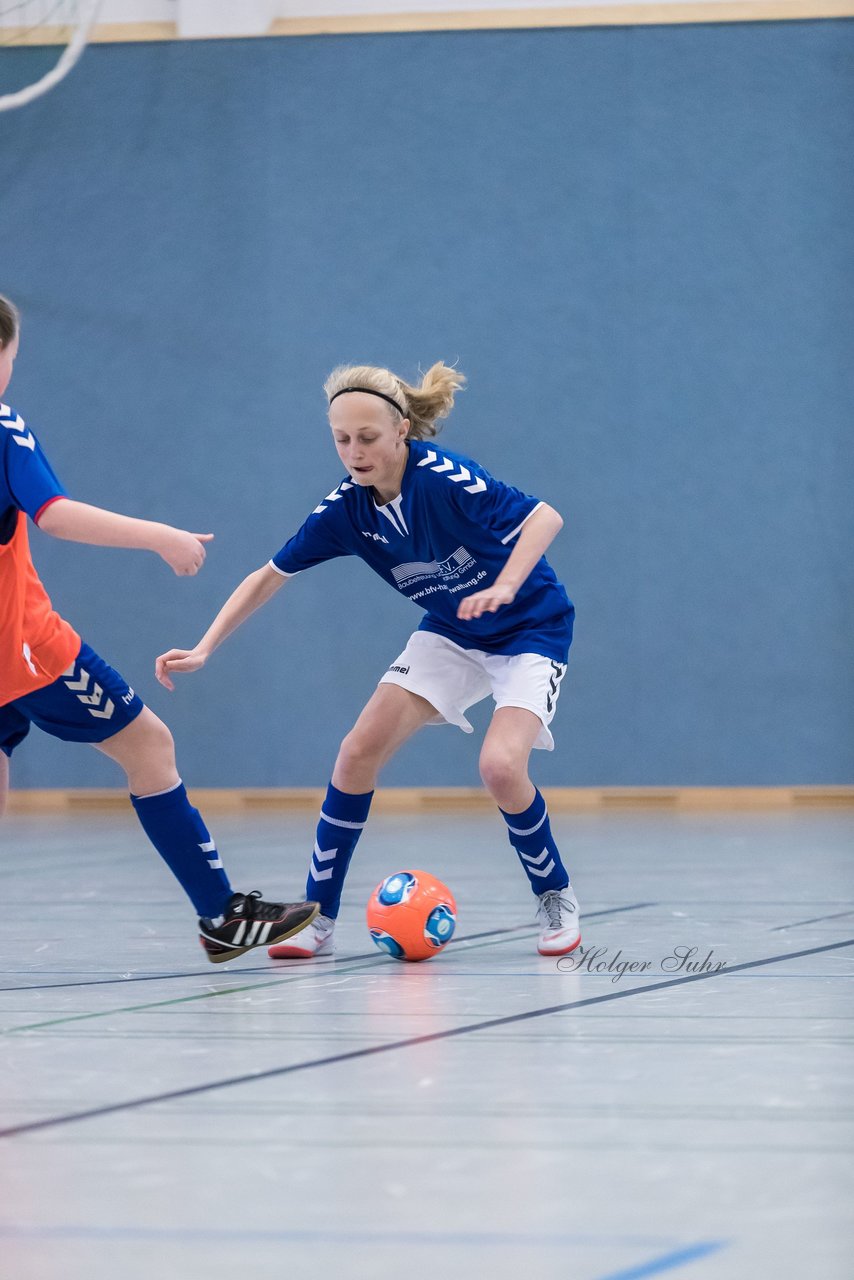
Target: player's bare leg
<point>391,716</point>
<point>389,719</point>
<point>229,923</point>
<point>504,757</point>
<point>146,751</point>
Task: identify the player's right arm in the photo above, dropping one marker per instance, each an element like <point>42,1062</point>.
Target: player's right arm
<point>34,487</point>
<point>184,552</point>
<point>254,590</point>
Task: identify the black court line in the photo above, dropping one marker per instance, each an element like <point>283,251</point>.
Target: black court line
<point>837,915</point>
<point>367,955</point>
<point>171,1095</point>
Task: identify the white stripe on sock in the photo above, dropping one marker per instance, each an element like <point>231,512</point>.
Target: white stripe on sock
<point>530,831</point>
<point>152,795</point>
<point>338,822</point>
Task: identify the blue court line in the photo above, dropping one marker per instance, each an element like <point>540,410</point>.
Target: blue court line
<point>666,1262</point>
<point>837,915</point>
<point>375,1050</point>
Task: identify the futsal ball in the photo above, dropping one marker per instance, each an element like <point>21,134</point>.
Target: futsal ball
<point>411,915</point>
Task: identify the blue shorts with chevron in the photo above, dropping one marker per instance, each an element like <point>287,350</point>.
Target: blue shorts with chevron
<point>90,702</point>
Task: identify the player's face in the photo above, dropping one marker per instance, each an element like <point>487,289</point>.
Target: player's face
<point>370,443</point>
<point>7,360</point>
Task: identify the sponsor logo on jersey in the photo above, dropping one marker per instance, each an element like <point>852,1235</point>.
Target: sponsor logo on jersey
<point>401,671</point>
<point>377,537</point>
<point>448,570</point>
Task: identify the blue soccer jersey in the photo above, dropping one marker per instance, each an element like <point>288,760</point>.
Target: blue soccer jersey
<point>36,645</point>
<point>448,534</point>
<point>27,480</point>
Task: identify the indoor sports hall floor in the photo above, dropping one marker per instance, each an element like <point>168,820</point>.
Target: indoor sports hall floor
<point>482,1114</point>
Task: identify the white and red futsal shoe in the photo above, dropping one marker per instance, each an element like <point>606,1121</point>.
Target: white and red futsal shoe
<point>315,940</point>
<point>558,918</point>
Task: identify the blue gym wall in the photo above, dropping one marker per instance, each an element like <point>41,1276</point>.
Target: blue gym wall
<point>636,243</point>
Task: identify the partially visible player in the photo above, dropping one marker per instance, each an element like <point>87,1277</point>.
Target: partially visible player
<point>50,678</point>
<point>467,549</point>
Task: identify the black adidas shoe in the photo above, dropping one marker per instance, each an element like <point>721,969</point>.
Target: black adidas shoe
<point>251,922</point>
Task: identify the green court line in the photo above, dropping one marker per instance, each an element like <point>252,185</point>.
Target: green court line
<point>162,1004</point>
<point>231,991</point>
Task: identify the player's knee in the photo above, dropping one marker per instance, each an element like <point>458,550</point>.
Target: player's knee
<point>500,769</point>
<point>156,738</point>
<point>358,755</point>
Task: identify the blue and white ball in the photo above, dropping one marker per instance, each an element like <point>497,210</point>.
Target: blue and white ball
<point>411,915</point>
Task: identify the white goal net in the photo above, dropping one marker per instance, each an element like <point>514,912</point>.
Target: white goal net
<point>52,32</point>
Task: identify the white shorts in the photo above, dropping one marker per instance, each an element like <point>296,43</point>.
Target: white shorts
<point>454,679</point>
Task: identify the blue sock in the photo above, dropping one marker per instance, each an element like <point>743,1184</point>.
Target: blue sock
<point>531,836</point>
<point>341,821</point>
<point>180,836</point>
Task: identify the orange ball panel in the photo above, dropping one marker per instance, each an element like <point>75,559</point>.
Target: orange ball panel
<point>404,921</point>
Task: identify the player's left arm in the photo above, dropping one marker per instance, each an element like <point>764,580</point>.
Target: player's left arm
<point>536,536</point>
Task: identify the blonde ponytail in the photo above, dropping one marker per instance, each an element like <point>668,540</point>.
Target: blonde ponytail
<point>423,405</point>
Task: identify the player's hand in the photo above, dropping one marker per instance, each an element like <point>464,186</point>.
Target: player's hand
<point>184,552</point>
<point>178,660</point>
<point>488,601</point>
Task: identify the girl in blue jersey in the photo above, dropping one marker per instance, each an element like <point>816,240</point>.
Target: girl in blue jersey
<point>469,550</point>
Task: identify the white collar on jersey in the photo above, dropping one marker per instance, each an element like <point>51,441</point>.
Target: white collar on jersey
<point>393,513</point>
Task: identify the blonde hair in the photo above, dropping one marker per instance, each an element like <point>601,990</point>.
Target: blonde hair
<point>423,405</point>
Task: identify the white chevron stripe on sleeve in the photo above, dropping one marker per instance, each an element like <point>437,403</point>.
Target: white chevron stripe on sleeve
<point>336,494</point>
<point>15,423</point>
